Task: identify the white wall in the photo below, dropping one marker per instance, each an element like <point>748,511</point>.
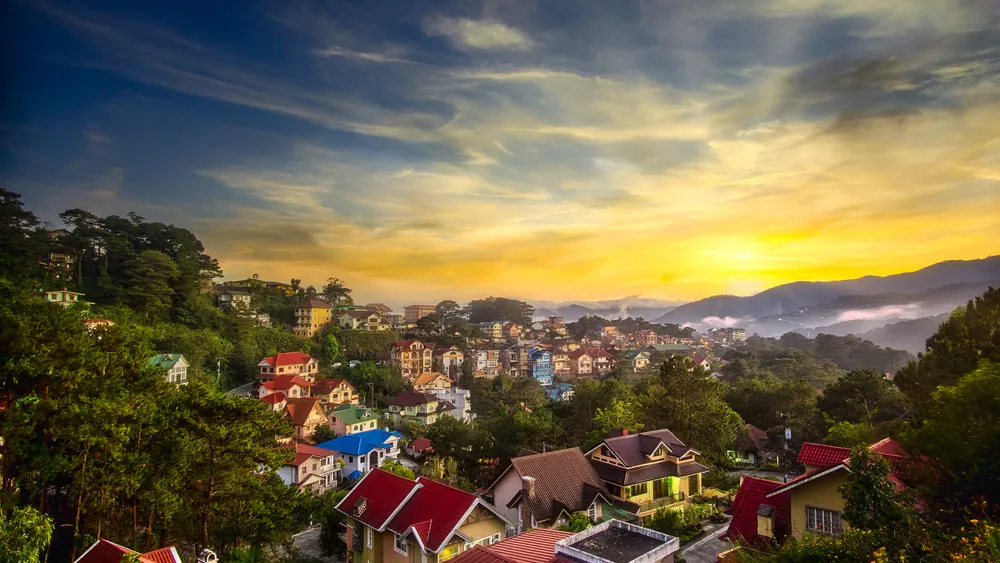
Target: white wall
<point>505,490</point>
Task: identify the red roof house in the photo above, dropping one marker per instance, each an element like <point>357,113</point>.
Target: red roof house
<point>104,551</point>
<point>819,456</point>
<point>534,546</point>
<point>748,503</point>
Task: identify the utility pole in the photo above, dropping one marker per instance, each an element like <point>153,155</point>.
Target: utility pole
<point>786,437</point>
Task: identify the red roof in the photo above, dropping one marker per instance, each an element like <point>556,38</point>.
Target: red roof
<point>273,398</point>
<point>165,555</point>
<point>288,359</point>
<point>533,546</point>
<point>598,353</point>
<point>421,444</point>
<point>821,455</point>
<point>104,551</point>
<point>575,354</point>
<point>435,511</point>
<point>480,554</point>
<point>285,381</point>
<point>380,493</point>
<point>305,451</point>
<point>749,498</point>
<point>326,385</point>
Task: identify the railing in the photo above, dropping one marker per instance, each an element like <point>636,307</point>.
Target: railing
<point>661,502</point>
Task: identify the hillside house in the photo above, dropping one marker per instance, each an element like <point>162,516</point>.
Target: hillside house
<point>306,414</point>
<point>431,380</point>
<point>288,385</point>
<point>311,316</point>
<point>413,357</point>
<point>350,419</point>
<point>487,360</point>
<point>422,408</point>
<point>334,392</point>
<point>451,360</point>
<point>362,452</point>
<point>542,369</point>
<point>286,363</point>
<point>369,321</point>
<point>65,298</point>
<point>175,365</point>
<point>312,469</point>
<point>581,363</point>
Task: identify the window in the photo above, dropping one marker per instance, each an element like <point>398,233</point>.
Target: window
<point>369,536</point>
<point>400,544</point>
<point>449,552</point>
<point>592,512</point>
<point>637,490</point>
<point>350,459</point>
<point>823,521</point>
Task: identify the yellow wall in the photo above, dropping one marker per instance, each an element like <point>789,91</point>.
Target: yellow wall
<point>484,528</point>
<point>820,493</point>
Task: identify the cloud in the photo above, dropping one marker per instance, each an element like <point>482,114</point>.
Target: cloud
<point>465,33</point>
<point>908,311</point>
<point>361,56</point>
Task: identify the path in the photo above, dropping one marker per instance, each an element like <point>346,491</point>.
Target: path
<point>243,390</point>
<point>705,549</point>
<point>307,543</point>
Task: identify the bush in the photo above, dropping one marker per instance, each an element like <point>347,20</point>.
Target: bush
<point>721,480</point>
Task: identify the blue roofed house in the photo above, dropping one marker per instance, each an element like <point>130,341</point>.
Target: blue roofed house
<point>363,451</point>
<point>542,368</point>
<point>559,392</point>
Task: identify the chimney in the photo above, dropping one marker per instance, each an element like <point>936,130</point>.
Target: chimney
<point>528,486</point>
<point>624,431</point>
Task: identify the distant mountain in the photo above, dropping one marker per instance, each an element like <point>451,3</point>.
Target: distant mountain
<point>792,297</point>
<point>910,335</point>
<point>632,306</point>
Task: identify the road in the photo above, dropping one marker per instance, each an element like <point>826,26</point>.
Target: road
<point>705,549</point>
<point>243,390</point>
<point>307,543</point>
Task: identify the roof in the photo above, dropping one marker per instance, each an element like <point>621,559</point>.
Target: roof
<point>887,448</point>
<point>434,513</point>
<point>167,361</point>
<point>623,476</point>
<point>564,479</point>
<point>164,555</point>
<point>577,354</point>
<point>421,444</point>
<point>748,502</point>
<point>353,414</point>
<point>304,451</point>
<point>821,455</point>
<point>104,551</point>
<point>534,546</point>
<point>273,398</point>
<point>633,354</point>
<point>671,347</point>
<point>412,398</point>
<point>285,381</point>
<point>598,353</point>
<point>324,385</point>
<point>299,408</point>
<point>287,359</point>
<point>634,449</point>
<point>362,314</point>
<point>428,377</point>
<point>614,541</point>
<point>751,438</point>
<point>313,304</point>
<point>360,443</point>
<point>405,343</point>
<point>377,498</point>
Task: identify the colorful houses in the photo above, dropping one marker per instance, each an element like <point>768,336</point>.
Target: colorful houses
<point>285,363</point>
<point>310,316</point>
<point>350,419</point>
<point>175,365</point>
<point>393,519</point>
<point>312,469</point>
<point>306,414</point>
<point>653,469</point>
<point>413,357</point>
<point>422,408</point>
<point>542,368</point>
<point>362,452</point>
<point>635,360</point>
<point>492,329</point>
<point>334,392</point>
<point>363,320</point>
<point>487,360</point>
<point>104,551</point>
<point>288,385</point>
<point>451,360</point>
<point>431,380</point>
<point>581,363</point>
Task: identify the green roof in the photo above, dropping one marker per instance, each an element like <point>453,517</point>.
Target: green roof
<point>672,347</point>
<point>633,354</point>
<point>612,512</point>
<point>166,361</point>
<point>353,414</point>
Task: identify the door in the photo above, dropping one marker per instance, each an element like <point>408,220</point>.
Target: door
<point>373,460</point>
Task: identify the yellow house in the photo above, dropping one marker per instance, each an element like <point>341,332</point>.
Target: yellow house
<point>391,519</point>
<point>311,316</point>
<point>431,380</point>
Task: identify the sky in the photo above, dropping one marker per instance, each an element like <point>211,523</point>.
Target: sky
<point>546,149</point>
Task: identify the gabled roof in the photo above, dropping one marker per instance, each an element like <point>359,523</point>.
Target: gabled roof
<point>274,398</point>
<point>412,399</point>
<point>285,381</point>
<point>577,354</point>
<point>598,353</point>
<point>749,499</point>
<point>299,408</point>
<point>104,551</point>
<point>323,386</point>
<point>304,451</point>
<point>887,448</point>
<point>534,546</point>
<point>407,343</point>
<point>353,414</point>
<point>168,361</point>
<point>434,513</point>
<point>377,498</point>
<point>821,455</point>
<point>286,359</point>
<point>634,449</point>
<point>429,377</point>
<point>563,479</point>
<point>421,444</point>
<point>361,314</point>
<point>313,304</point>
<point>360,443</point>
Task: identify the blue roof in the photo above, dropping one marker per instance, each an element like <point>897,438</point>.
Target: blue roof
<point>360,443</point>
<point>356,474</point>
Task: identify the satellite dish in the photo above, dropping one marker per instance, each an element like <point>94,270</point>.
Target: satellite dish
<point>207,556</point>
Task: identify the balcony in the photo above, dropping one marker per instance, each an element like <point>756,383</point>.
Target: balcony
<point>662,502</point>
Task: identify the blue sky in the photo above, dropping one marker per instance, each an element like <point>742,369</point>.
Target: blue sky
<point>543,149</point>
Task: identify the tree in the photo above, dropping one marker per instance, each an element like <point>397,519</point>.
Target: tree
<point>500,309</point>
<point>323,434</point>
<point>331,523</point>
<point>450,312</point>
<point>429,324</point>
<point>849,435</point>
<point>336,293</point>
<point>19,242</point>
<point>872,503</point>
<point>622,414</point>
<point>396,468</point>
<point>862,395</point>
<point>151,275</point>
<point>330,350</point>
<point>761,400</point>
<point>578,522</point>
<point>24,535</point>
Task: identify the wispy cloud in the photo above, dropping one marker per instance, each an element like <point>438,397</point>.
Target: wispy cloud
<point>361,55</point>
<point>478,34</point>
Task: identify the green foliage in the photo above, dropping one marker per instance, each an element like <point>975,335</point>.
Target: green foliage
<point>323,433</point>
<point>621,414</point>
<point>331,523</point>
<point>685,524</point>
<point>20,239</point>
<point>336,293</point>
<point>359,344</point>
<point>872,503</point>
<point>759,400</point>
<point>449,312</point>
<point>499,309</point>
<point>720,479</point>
<point>375,382</point>
<point>849,434</point>
<point>25,534</point>
<point>786,364</point>
<point>393,466</point>
<point>578,522</point>
<point>862,395</point>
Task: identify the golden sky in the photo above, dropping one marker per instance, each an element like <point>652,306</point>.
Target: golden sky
<point>564,150</point>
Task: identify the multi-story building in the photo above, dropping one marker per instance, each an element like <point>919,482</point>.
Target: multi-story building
<point>235,300</point>
<point>652,469</point>
<point>601,360</point>
<point>59,266</point>
<point>431,380</point>
<point>351,419</point>
<point>413,313</point>
<point>646,337</point>
<point>310,316</point>
<point>176,367</point>
<point>313,469</point>
<point>306,414</point>
<point>492,329</point>
<point>541,366</point>
<point>391,519</point>
<point>451,360</point>
<point>581,363</point>
<point>413,357</point>
<point>512,330</point>
<point>362,452</point>
<point>334,392</point>
<point>422,408</point>
<point>289,385</point>
<point>362,320</point>
<point>560,362</point>
<point>284,363</point>
<point>487,360</point>
<point>459,398</point>
<point>514,360</point>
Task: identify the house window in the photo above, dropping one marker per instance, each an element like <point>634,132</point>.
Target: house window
<point>638,490</point>
<point>369,536</point>
<point>350,459</point>
<point>400,544</point>
<point>592,512</point>
<point>823,521</point>
<point>449,552</point>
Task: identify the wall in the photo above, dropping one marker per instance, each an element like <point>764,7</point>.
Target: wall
<point>821,493</point>
<point>484,529</point>
<point>389,553</point>
<point>505,489</point>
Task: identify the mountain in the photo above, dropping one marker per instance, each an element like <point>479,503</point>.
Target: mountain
<point>793,297</point>
<point>632,306</point>
<point>910,335</point>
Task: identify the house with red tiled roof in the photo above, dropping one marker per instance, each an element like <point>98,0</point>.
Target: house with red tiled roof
<point>312,469</point>
<point>581,363</point>
<point>334,392</point>
<point>306,414</point>
<point>601,360</point>
<point>544,490</point>
<point>757,521</point>
<point>287,384</point>
<point>288,363</point>
<point>420,446</point>
<point>391,519</point>
<point>812,500</point>
<point>275,400</point>
<point>413,357</point>
<point>104,551</point>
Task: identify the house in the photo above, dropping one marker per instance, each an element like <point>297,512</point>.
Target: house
<point>287,384</point>
<point>560,362</point>
<point>419,447</point>
<point>581,363</point>
<point>492,329</point>
<point>752,447</point>
<point>513,359</point>
<point>431,380</point>
<point>65,298</point>
<point>459,398</point>
<point>59,266</point>
<point>361,452</point>
<point>542,369</point>
<point>350,419</point>
<point>654,469</point>
<point>298,363</point>
<point>703,362</point>
<point>310,316</point>
<point>559,392</point>
<point>334,391</point>
<point>175,364</point>
<point>512,330</point>
<point>635,360</point>
<point>487,360</point>
<point>413,313</point>
<point>645,337</point>
<point>380,308</point>
<point>234,300</point>
<point>600,360</point>
<point>391,519</point>
<point>413,357</point>
<point>306,414</point>
<point>610,542</point>
<point>363,320</point>
<point>313,469</point>
<point>104,551</point>
<point>276,401</point>
<point>422,408</point>
<point>809,503</point>
<point>544,490</point>
<point>451,360</point>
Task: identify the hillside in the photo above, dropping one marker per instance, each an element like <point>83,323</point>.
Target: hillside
<point>910,335</point>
